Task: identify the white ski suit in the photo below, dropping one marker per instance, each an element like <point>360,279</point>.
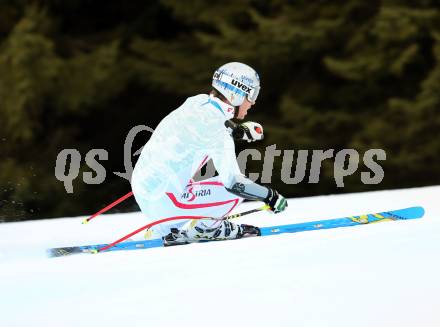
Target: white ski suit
<point>162,180</point>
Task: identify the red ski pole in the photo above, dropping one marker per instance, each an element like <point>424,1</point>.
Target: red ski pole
<point>107,208</point>
<point>157,222</point>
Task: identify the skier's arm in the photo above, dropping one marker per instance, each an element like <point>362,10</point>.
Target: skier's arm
<point>226,165</point>
<point>245,188</point>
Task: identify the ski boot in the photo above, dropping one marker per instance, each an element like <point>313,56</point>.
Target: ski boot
<point>195,231</point>
<point>176,237</point>
<point>249,230</point>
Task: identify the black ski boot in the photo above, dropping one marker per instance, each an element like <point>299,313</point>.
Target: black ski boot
<point>176,237</point>
<point>249,230</point>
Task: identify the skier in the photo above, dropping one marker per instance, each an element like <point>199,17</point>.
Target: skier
<point>183,142</point>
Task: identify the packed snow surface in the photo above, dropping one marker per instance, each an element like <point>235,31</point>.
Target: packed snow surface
<point>385,274</point>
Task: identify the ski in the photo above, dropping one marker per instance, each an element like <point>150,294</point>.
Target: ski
<point>402,214</point>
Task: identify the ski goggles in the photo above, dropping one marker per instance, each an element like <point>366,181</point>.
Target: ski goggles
<point>250,91</point>
<point>253,95</point>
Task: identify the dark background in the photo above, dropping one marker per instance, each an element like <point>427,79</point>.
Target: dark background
<point>335,74</point>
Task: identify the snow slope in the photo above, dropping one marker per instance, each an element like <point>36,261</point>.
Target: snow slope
<point>375,275</point>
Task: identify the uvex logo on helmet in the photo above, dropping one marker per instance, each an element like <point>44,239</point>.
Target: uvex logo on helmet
<point>242,86</point>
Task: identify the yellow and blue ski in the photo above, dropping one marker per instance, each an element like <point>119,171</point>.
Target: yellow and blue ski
<point>402,214</point>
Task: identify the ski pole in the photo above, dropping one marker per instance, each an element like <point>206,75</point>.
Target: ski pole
<point>107,208</point>
<point>160,221</point>
<point>241,214</point>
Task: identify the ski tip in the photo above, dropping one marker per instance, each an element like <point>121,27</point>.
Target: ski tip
<point>420,211</point>
<point>409,213</point>
<point>85,221</point>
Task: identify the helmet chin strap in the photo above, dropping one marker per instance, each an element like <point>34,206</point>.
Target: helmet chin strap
<point>236,108</point>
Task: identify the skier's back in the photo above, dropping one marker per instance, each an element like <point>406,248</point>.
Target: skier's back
<point>183,142</point>
<point>180,143</point>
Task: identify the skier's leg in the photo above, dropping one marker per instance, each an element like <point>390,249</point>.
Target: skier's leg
<point>208,198</point>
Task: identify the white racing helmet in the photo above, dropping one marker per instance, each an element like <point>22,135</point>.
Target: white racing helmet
<point>237,81</point>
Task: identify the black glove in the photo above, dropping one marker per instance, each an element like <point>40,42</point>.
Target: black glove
<point>276,201</point>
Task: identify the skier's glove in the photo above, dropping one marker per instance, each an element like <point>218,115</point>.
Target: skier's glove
<point>276,201</point>
<point>248,131</point>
